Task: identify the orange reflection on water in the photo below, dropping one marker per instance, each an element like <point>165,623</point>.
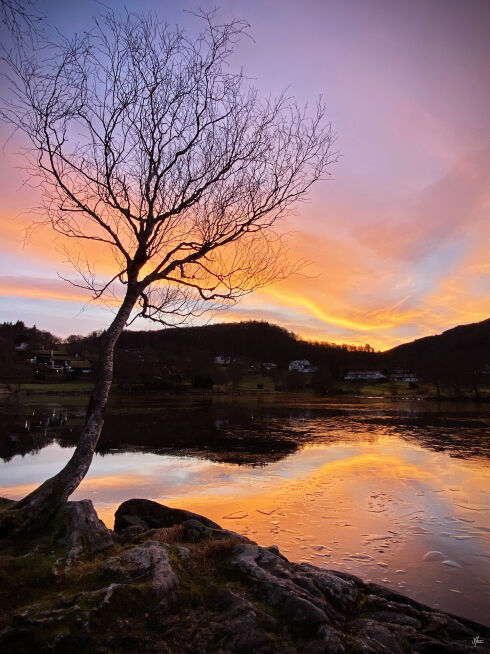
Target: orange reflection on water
<point>369,504</point>
<point>371,513</point>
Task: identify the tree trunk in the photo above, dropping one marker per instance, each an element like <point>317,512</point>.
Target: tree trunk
<point>47,498</point>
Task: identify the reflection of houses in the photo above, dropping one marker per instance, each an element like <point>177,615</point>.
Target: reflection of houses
<point>403,375</point>
<point>301,365</point>
<point>222,360</point>
<point>365,375</point>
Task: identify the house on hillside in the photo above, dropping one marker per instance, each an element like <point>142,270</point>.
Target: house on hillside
<point>268,365</point>
<point>365,375</point>
<point>56,360</point>
<point>403,375</point>
<point>59,361</point>
<point>301,365</point>
<point>222,360</point>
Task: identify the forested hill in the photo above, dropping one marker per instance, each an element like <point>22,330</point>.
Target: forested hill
<point>470,344</point>
<point>466,345</point>
<point>262,341</point>
<point>258,341</point>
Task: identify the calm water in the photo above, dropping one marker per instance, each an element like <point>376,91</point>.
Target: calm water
<point>366,487</point>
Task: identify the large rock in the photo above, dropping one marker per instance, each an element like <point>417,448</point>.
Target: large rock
<point>149,561</point>
<point>333,612</point>
<point>152,515</point>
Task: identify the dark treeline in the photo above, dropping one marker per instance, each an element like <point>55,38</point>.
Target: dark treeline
<point>470,341</point>
<point>189,352</point>
<point>253,340</point>
<point>456,361</point>
<point>12,338</point>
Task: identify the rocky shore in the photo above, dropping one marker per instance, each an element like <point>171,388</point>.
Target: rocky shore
<point>172,582</point>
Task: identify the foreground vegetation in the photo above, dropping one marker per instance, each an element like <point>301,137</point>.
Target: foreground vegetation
<point>173,582</point>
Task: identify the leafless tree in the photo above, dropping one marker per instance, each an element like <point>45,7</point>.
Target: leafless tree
<point>147,144</point>
<point>21,20</point>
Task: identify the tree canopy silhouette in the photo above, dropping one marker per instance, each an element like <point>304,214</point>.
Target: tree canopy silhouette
<point>146,143</point>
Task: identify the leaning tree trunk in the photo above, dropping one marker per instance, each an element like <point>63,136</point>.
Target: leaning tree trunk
<point>47,498</point>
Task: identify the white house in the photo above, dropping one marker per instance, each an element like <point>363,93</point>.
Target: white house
<point>301,365</point>
<point>403,375</point>
<point>222,360</point>
<point>365,375</point>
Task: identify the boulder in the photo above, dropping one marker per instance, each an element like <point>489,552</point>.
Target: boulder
<point>153,515</point>
<point>332,612</point>
<point>194,530</point>
<point>149,561</point>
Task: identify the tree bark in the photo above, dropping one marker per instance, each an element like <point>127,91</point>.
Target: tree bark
<point>46,499</point>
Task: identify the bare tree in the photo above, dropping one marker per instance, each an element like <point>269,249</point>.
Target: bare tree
<point>148,145</point>
<point>22,22</point>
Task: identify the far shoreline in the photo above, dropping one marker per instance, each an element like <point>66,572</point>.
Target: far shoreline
<point>84,389</point>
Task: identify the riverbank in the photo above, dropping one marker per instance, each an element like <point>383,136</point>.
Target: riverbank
<point>169,581</point>
<point>387,391</point>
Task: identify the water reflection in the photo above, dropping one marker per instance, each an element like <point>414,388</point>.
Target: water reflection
<point>395,495</point>
<point>245,432</point>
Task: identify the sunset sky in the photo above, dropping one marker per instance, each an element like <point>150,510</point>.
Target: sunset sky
<point>398,239</point>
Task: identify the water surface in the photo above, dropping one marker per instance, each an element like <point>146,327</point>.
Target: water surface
<point>397,493</point>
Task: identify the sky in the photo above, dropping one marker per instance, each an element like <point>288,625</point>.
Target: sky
<point>397,239</point>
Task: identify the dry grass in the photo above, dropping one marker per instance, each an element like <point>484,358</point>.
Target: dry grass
<point>205,555</point>
<point>170,535</point>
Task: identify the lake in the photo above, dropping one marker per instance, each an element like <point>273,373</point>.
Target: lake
<point>396,492</point>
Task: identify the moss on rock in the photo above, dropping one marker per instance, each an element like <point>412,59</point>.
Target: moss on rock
<point>193,589</point>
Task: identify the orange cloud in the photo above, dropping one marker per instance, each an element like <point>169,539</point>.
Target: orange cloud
<point>38,288</point>
<point>376,275</point>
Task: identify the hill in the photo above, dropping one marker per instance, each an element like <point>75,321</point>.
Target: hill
<point>469,343</point>
<point>457,359</point>
<point>254,340</point>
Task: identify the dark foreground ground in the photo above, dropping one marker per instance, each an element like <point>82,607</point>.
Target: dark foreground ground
<point>171,582</point>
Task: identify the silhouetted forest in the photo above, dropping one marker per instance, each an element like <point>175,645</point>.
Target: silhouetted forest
<point>456,359</point>
<point>470,341</point>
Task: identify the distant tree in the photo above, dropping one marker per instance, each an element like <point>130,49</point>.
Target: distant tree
<point>13,367</point>
<point>74,338</point>
<point>433,370</point>
<point>322,380</point>
<point>148,146</point>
